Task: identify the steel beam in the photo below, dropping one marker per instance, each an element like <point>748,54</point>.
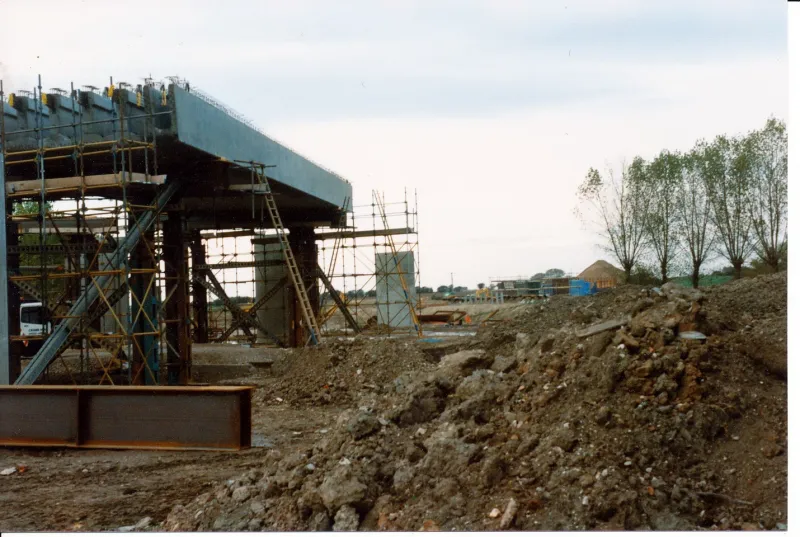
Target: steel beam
<point>126,417</point>
<point>61,333</point>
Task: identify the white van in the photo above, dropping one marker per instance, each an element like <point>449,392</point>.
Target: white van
<point>31,319</point>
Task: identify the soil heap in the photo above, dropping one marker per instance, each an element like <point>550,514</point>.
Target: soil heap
<point>579,413</point>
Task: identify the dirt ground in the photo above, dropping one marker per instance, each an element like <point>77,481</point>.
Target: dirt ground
<point>528,425</point>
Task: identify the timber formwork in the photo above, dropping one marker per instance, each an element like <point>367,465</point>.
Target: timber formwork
<point>108,196</point>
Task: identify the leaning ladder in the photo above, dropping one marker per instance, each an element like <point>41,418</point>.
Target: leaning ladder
<point>294,272</point>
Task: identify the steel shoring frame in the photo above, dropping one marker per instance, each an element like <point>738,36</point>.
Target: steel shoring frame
<point>246,321</point>
<point>62,331</point>
<point>252,313</point>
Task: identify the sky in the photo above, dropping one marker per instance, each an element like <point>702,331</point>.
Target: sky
<point>492,111</point>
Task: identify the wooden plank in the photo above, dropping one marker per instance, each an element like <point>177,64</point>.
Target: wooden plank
<point>34,186</point>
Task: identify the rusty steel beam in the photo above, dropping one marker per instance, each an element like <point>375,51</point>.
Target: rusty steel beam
<point>126,417</point>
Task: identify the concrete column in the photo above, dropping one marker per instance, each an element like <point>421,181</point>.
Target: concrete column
<point>304,247</point>
<point>177,307</point>
<point>199,293</point>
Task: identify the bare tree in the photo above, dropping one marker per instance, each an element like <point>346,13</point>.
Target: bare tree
<point>769,192</point>
<point>694,227</point>
<point>663,178</point>
<point>726,166</point>
<point>620,203</point>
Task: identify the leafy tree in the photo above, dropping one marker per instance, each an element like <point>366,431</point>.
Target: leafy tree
<point>481,285</point>
<point>459,289</point>
<point>554,273</point>
<point>372,293</point>
<point>769,191</point>
<point>694,227</point>
<point>620,203</point>
<point>443,289</point>
<point>538,276</point>
<point>663,177</point>
<point>424,290</point>
<point>727,168</point>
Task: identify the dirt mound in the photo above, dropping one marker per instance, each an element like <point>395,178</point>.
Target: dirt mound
<point>601,270</point>
<point>339,369</point>
<point>546,422</point>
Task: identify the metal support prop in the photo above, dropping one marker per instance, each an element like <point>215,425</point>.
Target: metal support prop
<point>302,242</point>
<point>338,300</point>
<point>177,307</point>
<point>59,337</point>
<point>144,359</point>
<point>199,295</point>
<point>126,417</point>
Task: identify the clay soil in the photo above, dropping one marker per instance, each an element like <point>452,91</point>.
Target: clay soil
<point>527,425</point>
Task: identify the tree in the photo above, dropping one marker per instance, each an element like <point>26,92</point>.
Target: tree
<point>769,190</point>
<point>641,275</point>
<point>663,177</point>
<point>554,273</point>
<point>459,289</point>
<point>443,289</point>
<point>537,276</point>
<point>727,165</point>
<point>424,290</point>
<point>481,285</point>
<point>620,204</point>
<point>694,227</point>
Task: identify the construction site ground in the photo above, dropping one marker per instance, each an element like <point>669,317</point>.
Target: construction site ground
<point>530,424</point>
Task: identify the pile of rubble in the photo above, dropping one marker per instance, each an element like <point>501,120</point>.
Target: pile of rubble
<point>633,409</point>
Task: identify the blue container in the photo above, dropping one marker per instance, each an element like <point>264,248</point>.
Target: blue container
<point>581,288</point>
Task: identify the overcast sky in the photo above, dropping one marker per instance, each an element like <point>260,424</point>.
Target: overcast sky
<point>493,111</point>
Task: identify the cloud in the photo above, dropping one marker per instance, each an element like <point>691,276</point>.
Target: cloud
<point>492,110</point>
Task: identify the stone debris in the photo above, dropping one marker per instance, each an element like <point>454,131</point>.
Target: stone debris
<point>542,416</point>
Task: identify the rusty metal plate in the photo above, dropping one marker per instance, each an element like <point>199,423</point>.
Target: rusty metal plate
<point>129,417</point>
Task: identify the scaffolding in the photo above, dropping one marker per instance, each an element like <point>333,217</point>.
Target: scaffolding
<point>83,198</point>
<point>100,248</point>
<point>247,264</point>
<point>376,266</point>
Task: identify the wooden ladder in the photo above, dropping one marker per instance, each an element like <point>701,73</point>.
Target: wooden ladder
<point>306,310</point>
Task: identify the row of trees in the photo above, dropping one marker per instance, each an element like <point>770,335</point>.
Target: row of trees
<point>726,197</point>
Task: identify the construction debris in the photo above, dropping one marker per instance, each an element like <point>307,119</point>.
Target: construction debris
<point>603,437</point>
